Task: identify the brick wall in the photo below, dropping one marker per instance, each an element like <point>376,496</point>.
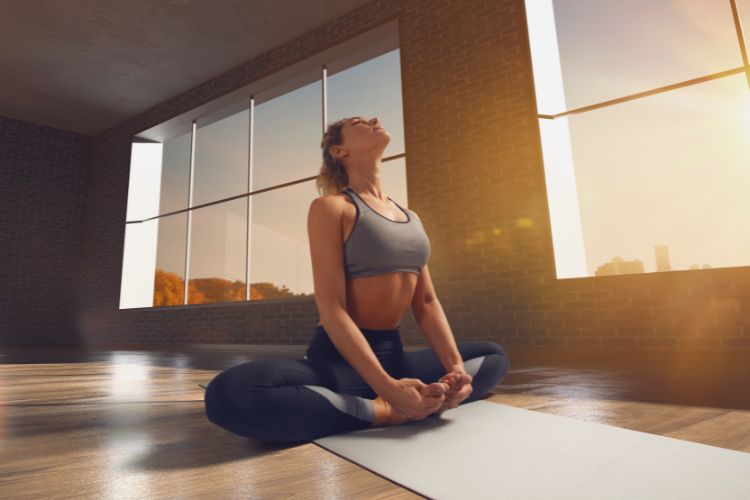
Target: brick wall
<point>474,169</point>
<point>42,177</point>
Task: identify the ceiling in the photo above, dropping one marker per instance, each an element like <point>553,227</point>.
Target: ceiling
<point>87,65</point>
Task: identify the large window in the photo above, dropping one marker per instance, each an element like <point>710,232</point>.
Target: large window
<point>644,115</point>
<point>190,218</point>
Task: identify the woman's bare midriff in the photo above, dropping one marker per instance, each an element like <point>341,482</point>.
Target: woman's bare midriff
<point>377,302</point>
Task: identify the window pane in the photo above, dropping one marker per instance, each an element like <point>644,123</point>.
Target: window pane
<point>169,279</point>
<point>139,257</point>
<point>369,89</point>
<point>287,135</point>
<point>139,250</point>
<point>612,48</point>
<point>743,9</point>
<point>143,186</point>
<point>671,169</point>
<point>175,174</point>
<point>216,271</point>
<point>221,153</point>
<point>279,247</point>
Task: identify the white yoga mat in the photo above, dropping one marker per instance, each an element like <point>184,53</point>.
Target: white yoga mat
<point>489,450</point>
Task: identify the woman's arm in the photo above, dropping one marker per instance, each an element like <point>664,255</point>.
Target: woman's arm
<point>431,318</point>
<point>353,347</point>
<point>329,281</point>
<point>429,315</point>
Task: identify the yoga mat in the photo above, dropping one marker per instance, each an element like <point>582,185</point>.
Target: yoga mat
<point>489,450</point>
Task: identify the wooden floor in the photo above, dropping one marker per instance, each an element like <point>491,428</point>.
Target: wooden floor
<point>131,424</point>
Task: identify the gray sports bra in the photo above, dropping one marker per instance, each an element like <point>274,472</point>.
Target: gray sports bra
<point>379,245</point>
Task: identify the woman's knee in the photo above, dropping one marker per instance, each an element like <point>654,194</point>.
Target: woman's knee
<point>488,362</point>
<point>214,399</point>
<point>475,348</point>
<point>504,358</point>
<point>231,395</point>
<point>492,347</point>
<point>501,363</point>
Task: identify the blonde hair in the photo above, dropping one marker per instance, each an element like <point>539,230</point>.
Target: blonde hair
<point>332,177</point>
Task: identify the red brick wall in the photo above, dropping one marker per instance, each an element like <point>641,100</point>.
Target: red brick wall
<point>42,178</point>
<point>474,168</point>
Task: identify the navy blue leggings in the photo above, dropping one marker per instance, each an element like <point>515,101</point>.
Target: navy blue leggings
<point>296,400</point>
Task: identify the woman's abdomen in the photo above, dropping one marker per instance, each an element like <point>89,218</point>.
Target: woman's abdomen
<point>379,302</point>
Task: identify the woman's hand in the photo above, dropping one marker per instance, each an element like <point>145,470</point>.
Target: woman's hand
<point>460,388</point>
<point>407,397</point>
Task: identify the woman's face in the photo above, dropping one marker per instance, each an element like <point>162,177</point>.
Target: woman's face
<point>362,136</point>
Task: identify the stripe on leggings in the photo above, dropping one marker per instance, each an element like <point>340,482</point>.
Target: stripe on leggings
<point>355,406</point>
<point>472,366</point>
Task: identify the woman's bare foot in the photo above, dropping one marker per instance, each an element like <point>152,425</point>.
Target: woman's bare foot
<point>385,414</point>
<point>455,381</point>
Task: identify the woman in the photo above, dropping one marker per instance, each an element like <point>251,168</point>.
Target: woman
<point>369,259</point>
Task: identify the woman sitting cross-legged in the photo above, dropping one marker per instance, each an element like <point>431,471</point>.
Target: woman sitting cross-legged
<point>369,258</point>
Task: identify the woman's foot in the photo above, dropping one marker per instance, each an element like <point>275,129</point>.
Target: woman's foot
<point>385,414</point>
<point>455,382</point>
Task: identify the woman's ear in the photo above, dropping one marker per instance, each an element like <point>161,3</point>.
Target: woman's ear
<point>338,152</point>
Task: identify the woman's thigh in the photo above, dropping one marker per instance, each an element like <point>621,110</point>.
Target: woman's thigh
<point>289,399</point>
<point>487,362</point>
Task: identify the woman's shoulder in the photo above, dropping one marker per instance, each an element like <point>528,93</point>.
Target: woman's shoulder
<point>334,204</point>
<point>339,199</point>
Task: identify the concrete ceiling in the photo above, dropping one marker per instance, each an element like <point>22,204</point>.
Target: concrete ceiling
<point>87,65</point>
